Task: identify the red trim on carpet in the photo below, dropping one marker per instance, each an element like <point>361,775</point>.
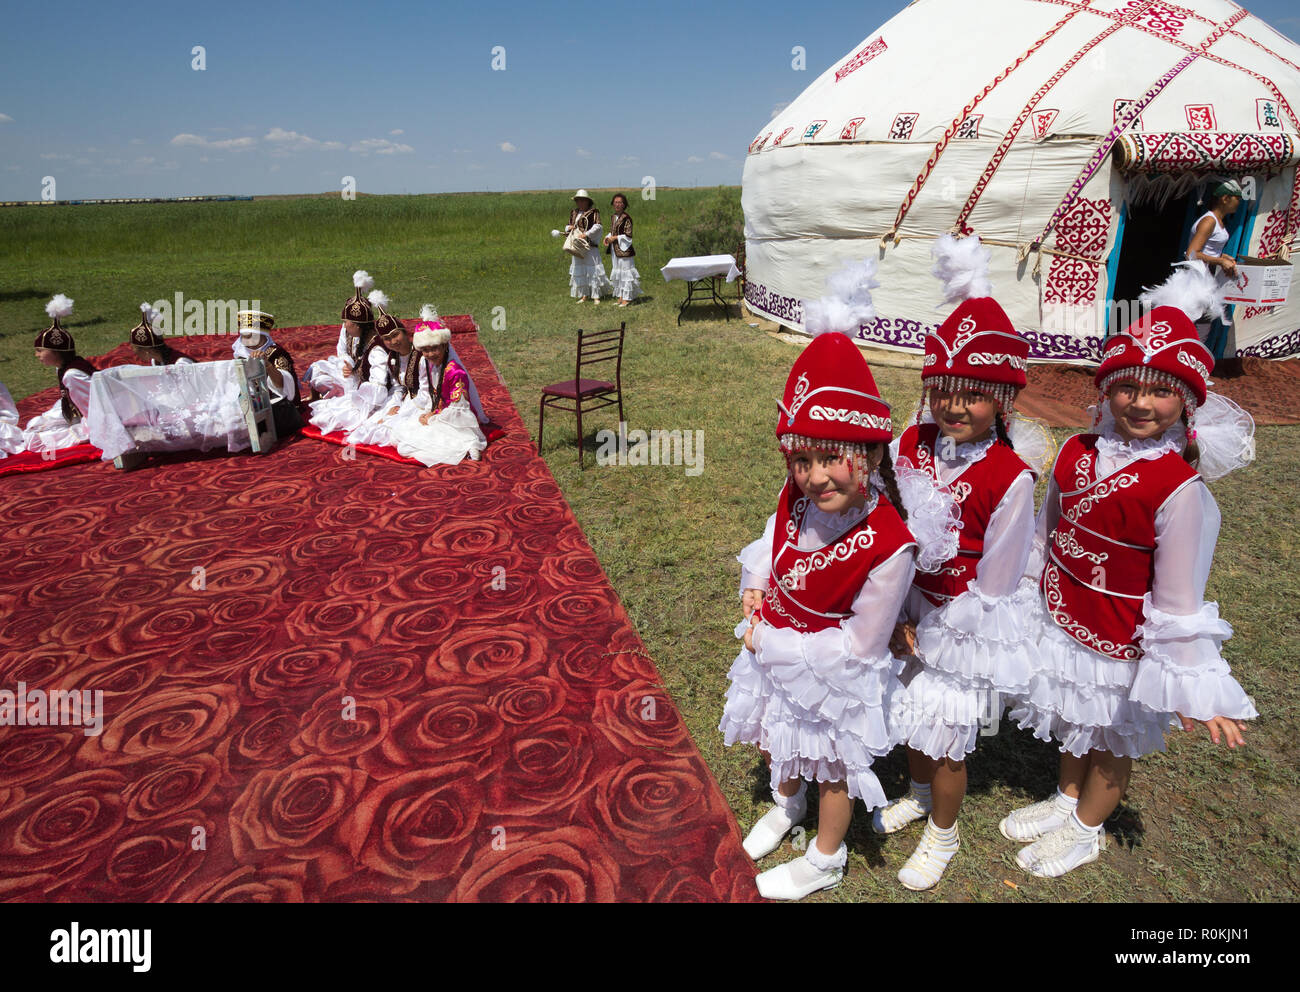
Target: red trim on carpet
<point>30,461</point>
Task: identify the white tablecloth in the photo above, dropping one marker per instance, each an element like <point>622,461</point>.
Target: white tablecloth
<point>699,266</point>
<point>166,408</point>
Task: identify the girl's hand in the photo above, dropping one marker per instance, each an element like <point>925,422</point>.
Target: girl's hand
<point>1229,266</point>
<point>751,599</point>
<point>903,641</point>
<point>749,634</point>
<point>1232,731</point>
<point>393,411</point>
<point>347,369</point>
<point>424,417</point>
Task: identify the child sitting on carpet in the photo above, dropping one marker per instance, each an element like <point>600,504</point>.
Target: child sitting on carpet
<point>443,428</point>
<point>342,371</point>
<point>63,424</point>
<point>1127,640</point>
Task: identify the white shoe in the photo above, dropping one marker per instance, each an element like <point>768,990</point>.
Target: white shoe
<point>898,814</point>
<point>1064,849</point>
<point>925,867</point>
<point>766,835</point>
<point>1033,822</point>
<point>596,302</point>
<point>796,879</point>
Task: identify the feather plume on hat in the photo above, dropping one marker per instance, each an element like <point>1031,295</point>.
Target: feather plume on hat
<point>150,314</point>
<point>847,305</point>
<point>963,268</point>
<point>60,306</point>
<point>428,312</point>
<point>1191,288</point>
<point>379,298</point>
<point>363,281</point>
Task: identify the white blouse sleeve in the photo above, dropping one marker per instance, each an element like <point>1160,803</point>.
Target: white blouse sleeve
<point>50,419</point>
<point>984,636</point>
<point>1048,515</point>
<point>375,390</point>
<point>1182,669</point>
<point>341,349</point>
<point>756,559</point>
<point>78,384</point>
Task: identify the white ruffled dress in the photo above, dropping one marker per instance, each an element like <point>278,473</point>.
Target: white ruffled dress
<point>979,645</point>
<point>623,275</point>
<point>587,274</point>
<point>11,435</point>
<point>817,702</point>
<point>1085,700</point>
<point>350,409</point>
<point>49,431</point>
<point>326,375</point>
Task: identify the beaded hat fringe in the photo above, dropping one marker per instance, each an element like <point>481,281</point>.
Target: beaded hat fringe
<point>1002,392</point>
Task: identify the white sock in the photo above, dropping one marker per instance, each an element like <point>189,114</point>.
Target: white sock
<point>921,793</point>
<point>827,862</point>
<point>1066,804</point>
<point>791,803</point>
<point>1082,828</point>
<point>946,835</point>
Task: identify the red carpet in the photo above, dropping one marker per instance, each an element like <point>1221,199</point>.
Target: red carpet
<point>338,679</point>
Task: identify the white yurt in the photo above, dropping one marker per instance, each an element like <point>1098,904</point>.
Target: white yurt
<point>1078,138</point>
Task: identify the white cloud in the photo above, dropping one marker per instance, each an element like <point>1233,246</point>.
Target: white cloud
<point>717,156</point>
<point>695,160</point>
<point>631,159</point>
<point>55,156</point>
<point>507,147</point>
<point>6,119</point>
<point>380,146</point>
<point>397,132</point>
<point>583,153</point>
<point>461,151</point>
<point>137,141</point>
<point>539,165</point>
<point>291,141</point>
<point>232,144</point>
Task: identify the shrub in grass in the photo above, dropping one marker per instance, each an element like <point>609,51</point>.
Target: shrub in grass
<point>715,227</point>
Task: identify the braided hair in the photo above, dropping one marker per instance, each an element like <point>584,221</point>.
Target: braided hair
<point>891,483</point>
<point>412,381</point>
<point>1191,453</point>
<point>1000,426</point>
<point>359,350</point>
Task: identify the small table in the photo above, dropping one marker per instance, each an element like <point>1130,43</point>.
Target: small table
<point>140,409</point>
<point>701,274</point>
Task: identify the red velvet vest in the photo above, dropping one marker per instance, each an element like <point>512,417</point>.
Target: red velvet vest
<point>977,492</point>
<point>1101,556</point>
<point>814,590</point>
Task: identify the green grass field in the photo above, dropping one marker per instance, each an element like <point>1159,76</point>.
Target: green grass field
<point>1199,823</point>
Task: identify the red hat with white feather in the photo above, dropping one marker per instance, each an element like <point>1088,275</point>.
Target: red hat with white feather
<point>977,348</point>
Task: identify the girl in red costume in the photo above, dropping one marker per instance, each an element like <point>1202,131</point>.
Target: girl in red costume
<point>821,590</point>
<point>1128,642</point>
<point>965,621</point>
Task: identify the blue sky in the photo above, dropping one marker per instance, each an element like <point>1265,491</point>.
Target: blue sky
<point>402,95</point>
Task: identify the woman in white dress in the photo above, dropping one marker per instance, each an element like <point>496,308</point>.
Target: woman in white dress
<point>587,274</point>
<point>618,242</point>
<point>1209,235</point>
<point>374,377</point>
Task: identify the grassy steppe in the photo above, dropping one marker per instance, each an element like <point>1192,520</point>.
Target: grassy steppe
<point>1199,823</point>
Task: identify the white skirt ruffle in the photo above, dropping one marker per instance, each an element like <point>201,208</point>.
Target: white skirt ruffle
<point>820,714</point>
<point>47,433</point>
<point>327,377</point>
<point>625,278</point>
<point>983,641</point>
<point>587,276</point>
<point>940,715</point>
<point>450,436</point>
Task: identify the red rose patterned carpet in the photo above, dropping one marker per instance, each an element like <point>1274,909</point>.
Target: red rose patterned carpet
<point>328,677</point>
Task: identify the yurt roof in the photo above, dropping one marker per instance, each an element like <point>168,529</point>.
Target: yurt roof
<point>935,57</point>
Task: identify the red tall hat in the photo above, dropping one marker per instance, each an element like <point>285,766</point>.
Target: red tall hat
<point>1160,348</point>
<point>831,400</point>
<point>977,348</point>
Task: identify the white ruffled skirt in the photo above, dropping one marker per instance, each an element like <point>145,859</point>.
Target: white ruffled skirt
<point>345,412</point>
<point>450,436</point>
<point>54,434</point>
<point>587,276</point>
<point>326,376</point>
<point>1086,701</point>
<point>971,652</point>
<point>625,278</point>
<point>820,719</point>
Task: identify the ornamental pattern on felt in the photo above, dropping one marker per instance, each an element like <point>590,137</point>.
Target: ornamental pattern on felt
<point>1208,151</point>
<point>1084,230</point>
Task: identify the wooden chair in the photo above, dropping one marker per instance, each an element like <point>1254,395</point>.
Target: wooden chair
<point>584,395</point>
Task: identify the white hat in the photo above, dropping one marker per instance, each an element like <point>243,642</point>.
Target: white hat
<point>582,194</point>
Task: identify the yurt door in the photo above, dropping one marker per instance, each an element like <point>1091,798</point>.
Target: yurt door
<point>1151,237</point>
